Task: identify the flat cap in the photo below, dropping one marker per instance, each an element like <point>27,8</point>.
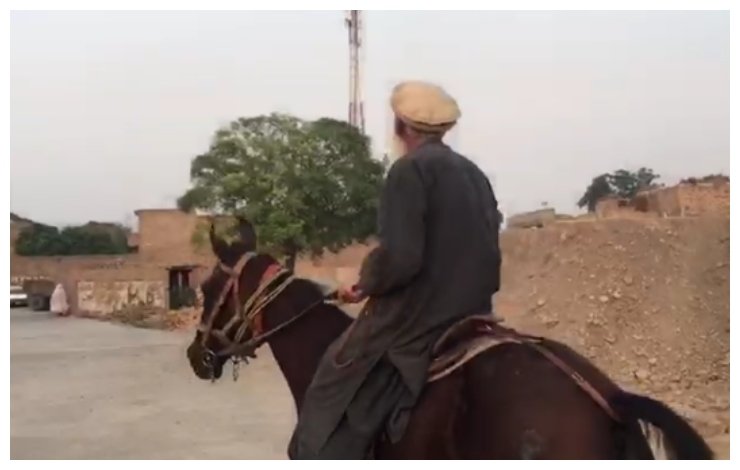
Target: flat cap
<point>424,106</point>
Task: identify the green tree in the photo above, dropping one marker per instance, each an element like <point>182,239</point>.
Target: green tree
<point>621,183</point>
<point>599,188</point>
<point>628,183</point>
<point>305,185</point>
<point>38,240</point>
<point>90,239</point>
<point>646,178</point>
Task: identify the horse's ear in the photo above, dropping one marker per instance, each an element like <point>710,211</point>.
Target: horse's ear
<point>247,234</point>
<point>220,248</point>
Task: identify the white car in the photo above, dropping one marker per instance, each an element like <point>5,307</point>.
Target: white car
<point>17,296</point>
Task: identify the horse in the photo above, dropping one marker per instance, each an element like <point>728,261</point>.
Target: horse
<point>515,399</point>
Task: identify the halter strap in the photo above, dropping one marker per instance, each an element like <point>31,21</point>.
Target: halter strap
<point>249,314</point>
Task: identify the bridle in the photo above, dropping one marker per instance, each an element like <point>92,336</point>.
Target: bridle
<point>245,317</point>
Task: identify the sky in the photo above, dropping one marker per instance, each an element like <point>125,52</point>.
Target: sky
<point>107,109</point>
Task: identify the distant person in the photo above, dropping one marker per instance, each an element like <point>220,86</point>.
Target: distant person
<point>437,262</point>
<point>58,304</point>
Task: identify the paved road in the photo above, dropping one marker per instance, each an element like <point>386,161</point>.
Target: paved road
<point>84,389</point>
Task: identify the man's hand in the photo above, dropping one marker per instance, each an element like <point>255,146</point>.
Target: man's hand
<point>350,295</point>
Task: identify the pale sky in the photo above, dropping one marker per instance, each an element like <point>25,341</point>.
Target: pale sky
<point>108,109</point>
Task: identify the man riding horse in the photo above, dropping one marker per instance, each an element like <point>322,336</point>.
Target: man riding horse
<point>437,261</point>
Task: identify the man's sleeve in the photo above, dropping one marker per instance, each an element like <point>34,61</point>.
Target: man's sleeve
<point>400,254</point>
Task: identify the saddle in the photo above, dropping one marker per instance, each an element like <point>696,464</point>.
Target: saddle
<point>477,334</point>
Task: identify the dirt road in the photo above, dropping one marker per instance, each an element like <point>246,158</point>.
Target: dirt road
<point>84,389</point>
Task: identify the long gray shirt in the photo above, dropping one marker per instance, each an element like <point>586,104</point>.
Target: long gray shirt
<point>438,260</point>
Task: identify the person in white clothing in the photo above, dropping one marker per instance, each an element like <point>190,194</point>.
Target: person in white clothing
<point>58,303</point>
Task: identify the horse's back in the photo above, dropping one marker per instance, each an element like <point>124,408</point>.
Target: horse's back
<point>509,402</point>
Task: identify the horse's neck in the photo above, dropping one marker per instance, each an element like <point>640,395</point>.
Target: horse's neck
<point>299,348</point>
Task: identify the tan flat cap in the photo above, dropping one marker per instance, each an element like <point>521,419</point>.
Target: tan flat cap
<point>424,106</point>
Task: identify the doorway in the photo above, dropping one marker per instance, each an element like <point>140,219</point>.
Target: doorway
<point>182,294</point>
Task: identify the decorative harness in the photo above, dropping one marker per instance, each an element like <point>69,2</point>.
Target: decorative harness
<point>247,316</point>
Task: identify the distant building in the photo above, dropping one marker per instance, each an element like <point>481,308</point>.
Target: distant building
<point>690,198</point>
<point>532,219</point>
<point>167,259</point>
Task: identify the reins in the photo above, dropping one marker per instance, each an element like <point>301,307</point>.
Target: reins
<point>249,315</point>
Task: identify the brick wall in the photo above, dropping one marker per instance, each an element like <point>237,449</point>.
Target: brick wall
<point>166,237</point>
<point>340,268</point>
<point>70,270</point>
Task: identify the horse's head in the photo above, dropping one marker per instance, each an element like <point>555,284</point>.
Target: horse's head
<point>233,297</point>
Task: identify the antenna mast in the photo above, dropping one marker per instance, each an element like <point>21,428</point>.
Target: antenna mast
<point>353,21</point>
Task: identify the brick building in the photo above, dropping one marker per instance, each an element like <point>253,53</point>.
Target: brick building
<point>165,258</point>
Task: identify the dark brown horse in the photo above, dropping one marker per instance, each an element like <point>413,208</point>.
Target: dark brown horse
<point>509,402</point>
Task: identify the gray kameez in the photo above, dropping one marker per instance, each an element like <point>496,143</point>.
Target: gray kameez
<point>438,260</point>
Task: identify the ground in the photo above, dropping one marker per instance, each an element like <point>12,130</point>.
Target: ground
<point>85,389</point>
<point>646,299</point>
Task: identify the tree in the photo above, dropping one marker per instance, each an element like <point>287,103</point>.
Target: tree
<point>38,240</point>
<point>646,178</point>
<point>621,183</point>
<point>89,239</point>
<point>627,183</point>
<point>598,189</point>
<point>305,185</point>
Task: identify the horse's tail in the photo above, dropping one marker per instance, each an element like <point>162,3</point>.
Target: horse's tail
<point>682,442</point>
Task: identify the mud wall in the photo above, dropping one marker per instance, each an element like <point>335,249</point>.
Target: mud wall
<point>538,218</point>
<point>101,283</point>
<point>686,200</point>
<point>72,270</point>
<point>166,236</point>
<point>105,297</point>
<point>704,199</point>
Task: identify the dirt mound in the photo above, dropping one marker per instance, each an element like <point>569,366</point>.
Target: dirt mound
<point>647,299</point>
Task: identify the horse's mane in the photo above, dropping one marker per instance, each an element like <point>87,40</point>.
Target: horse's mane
<point>309,290</point>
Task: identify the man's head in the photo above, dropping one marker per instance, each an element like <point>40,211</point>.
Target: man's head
<point>422,111</point>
